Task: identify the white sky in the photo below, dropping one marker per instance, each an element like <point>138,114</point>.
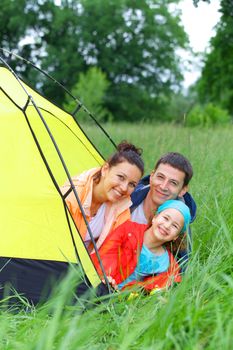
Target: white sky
<point>199,24</point>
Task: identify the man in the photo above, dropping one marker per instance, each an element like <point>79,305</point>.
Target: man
<point>168,180</point>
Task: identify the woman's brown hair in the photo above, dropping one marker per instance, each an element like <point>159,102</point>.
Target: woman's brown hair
<point>125,152</point>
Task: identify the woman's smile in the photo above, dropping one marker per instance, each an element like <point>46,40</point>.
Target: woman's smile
<point>118,193</point>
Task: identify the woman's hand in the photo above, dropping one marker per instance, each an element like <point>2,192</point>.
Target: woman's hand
<point>112,282</point>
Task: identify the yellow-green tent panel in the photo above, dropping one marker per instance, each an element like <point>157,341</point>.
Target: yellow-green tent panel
<point>33,223</point>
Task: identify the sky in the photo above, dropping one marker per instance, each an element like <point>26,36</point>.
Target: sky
<point>199,24</point>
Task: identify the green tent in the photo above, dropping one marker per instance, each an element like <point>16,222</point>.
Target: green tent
<point>39,145</point>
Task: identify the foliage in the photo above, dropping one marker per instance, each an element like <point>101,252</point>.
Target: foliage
<point>179,105</point>
<point>196,2</point>
<point>197,314</point>
<point>208,115</point>
<point>134,43</point>
<point>20,33</point>
<point>129,43</point>
<point>90,89</point>
<point>15,20</point>
<point>215,84</point>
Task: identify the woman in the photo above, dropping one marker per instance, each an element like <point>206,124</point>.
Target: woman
<point>105,193</point>
<point>134,253</point>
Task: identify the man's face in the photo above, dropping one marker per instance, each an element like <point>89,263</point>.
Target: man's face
<point>166,183</point>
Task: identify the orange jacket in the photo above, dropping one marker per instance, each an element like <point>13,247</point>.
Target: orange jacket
<point>120,253</point>
<point>115,214</point>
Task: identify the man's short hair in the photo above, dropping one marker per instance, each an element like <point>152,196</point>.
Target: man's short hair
<point>177,161</point>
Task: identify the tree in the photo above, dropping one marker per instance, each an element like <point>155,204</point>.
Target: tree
<point>133,42</point>
<point>16,19</point>
<point>196,2</point>
<point>215,84</point>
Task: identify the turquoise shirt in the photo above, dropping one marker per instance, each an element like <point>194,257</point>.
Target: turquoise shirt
<point>148,264</point>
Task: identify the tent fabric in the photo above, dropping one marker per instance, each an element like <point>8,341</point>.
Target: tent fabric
<point>34,221</point>
<point>35,279</point>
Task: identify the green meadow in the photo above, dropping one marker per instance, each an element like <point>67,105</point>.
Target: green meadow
<point>196,314</point>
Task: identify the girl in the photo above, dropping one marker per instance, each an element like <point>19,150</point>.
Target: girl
<point>105,193</point>
<point>136,253</point>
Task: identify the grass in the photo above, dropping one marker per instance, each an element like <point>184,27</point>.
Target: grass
<point>197,314</point>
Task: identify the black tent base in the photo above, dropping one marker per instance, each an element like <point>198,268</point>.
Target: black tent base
<point>35,280</point>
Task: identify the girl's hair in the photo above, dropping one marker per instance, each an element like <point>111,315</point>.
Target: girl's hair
<point>125,152</point>
<point>180,244</point>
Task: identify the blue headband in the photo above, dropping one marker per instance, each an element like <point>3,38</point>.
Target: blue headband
<point>179,205</point>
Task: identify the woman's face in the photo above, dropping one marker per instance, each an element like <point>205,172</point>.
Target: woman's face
<point>167,225</point>
<point>119,181</point>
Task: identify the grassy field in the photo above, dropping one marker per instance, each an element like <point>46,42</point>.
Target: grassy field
<point>197,314</point>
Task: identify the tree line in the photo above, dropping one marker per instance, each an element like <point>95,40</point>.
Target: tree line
<point>119,57</point>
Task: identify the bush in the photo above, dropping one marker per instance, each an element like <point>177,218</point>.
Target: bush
<point>90,90</point>
<point>208,115</point>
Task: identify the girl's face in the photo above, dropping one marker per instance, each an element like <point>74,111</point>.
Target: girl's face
<point>119,181</point>
<point>167,225</point>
